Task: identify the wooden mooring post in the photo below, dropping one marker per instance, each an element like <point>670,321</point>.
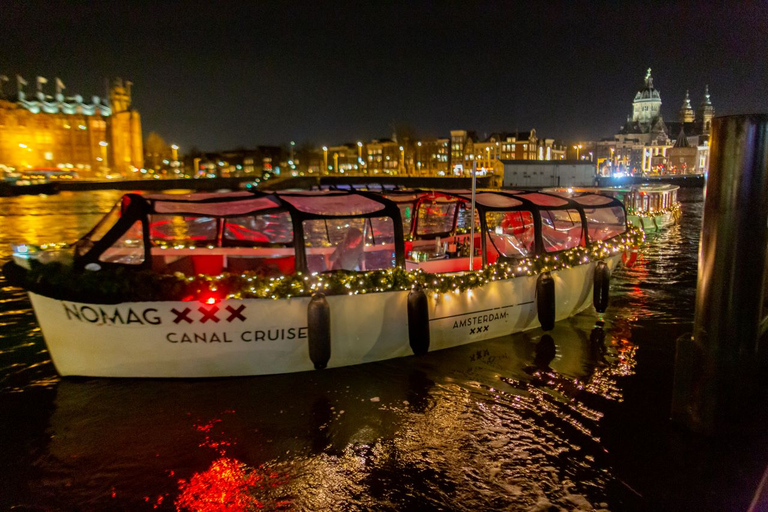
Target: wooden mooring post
<point>717,369</point>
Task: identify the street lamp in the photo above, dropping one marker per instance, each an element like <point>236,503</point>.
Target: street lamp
<point>360,160</point>
<point>325,159</point>
<point>104,145</point>
<point>577,148</point>
<point>418,158</point>
<point>402,160</point>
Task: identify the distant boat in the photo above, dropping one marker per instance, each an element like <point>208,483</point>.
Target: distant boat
<point>649,207</point>
<point>249,283</point>
<point>16,185</point>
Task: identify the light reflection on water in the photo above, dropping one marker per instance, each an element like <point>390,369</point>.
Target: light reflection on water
<point>509,424</point>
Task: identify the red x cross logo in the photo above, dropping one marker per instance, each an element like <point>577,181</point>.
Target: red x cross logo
<point>209,314</point>
<point>236,313</point>
<point>182,315</point>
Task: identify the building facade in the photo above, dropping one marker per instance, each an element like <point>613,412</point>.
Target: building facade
<point>644,143</point>
<point>553,173</point>
<point>264,160</point>
<point>95,138</point>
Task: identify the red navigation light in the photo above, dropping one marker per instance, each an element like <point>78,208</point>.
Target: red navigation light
<point>209,299</point>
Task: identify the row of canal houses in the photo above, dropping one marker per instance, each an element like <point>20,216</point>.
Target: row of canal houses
<point>400,155</point>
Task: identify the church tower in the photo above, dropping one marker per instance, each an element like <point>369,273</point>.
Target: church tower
<point>125,145</point>
<point>686,111</point>
<point>706,112</point>
<point>647,105</point>
<point>120,95</point>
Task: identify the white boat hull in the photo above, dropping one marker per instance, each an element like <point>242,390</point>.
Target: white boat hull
<point>652,223</point>
<point>262,336</point>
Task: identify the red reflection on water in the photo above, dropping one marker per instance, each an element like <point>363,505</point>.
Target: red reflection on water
<point>227,486</point>
<point>209,442</point>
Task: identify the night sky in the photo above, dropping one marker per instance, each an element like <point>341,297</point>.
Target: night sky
<point>219,75</point>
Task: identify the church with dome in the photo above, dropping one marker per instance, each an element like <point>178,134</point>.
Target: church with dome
<point>648,144</point>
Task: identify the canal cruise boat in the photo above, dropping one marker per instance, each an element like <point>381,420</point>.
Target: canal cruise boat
<point>249,283</point>
<point>650,207</point>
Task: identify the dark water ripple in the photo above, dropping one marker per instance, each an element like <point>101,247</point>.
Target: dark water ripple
<point>516,423</point>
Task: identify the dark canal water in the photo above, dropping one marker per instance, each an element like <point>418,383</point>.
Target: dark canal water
<point>575,419</point>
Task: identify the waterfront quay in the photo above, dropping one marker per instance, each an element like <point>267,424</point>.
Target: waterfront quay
<point>298,182</point>
<point>309,182</point>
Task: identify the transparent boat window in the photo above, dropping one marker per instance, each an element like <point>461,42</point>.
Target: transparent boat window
<point>128,250</point>
<point>249,230</point>
<point>545,200</point>
<point>182,230</point>
<point>406,215</point>
<point>605,223</point>
<point>511,233</point>
<point>592,200</point>
<point>349,244</point>
<point>496,200</point>
<point>561,229</point>
<point>221,208</point>
<point>333,204</point>
<point>464,222</point>
<point>435,217</point>
<point>97,233</point>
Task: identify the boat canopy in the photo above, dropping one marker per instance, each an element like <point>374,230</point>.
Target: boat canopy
<point>277,233</point>
<point>637,199</point>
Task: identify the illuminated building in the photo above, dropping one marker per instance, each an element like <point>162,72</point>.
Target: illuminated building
<point>344,159</point>
<point>644,143</point>
<point>383,156</point>
<point>240,162</point>
<point>683,155</point>
<point>525,146</point>
<point>435,156</point>
<point>94,138</point>
<point>466,148</point>
<point>432,157</point>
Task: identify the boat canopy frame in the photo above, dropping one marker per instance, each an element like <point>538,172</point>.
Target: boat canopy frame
<point>138,208</point>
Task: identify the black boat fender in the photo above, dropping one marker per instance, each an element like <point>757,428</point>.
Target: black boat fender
<point>545,301</point>
<point>418,321</point>
<point>319,336</point>
<point>602,282</point>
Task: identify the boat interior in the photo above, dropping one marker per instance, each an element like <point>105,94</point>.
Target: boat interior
<point>279,233</point>
<point>642,199</point>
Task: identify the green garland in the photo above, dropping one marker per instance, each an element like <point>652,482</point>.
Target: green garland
<point>674,210</point>
<point>127,285</point>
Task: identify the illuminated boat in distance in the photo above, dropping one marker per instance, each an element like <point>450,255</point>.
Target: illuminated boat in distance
<point>649,207</point>
<point>33,181</point>
<point>250,283</point>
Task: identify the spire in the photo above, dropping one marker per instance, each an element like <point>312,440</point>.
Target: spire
<point>686,114</point>
<point>682,140</point>
<point>648,79</point>
<point>706,111</point>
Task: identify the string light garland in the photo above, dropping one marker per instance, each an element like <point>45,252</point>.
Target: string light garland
<point>111,286</point>
<point>674,210</point>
